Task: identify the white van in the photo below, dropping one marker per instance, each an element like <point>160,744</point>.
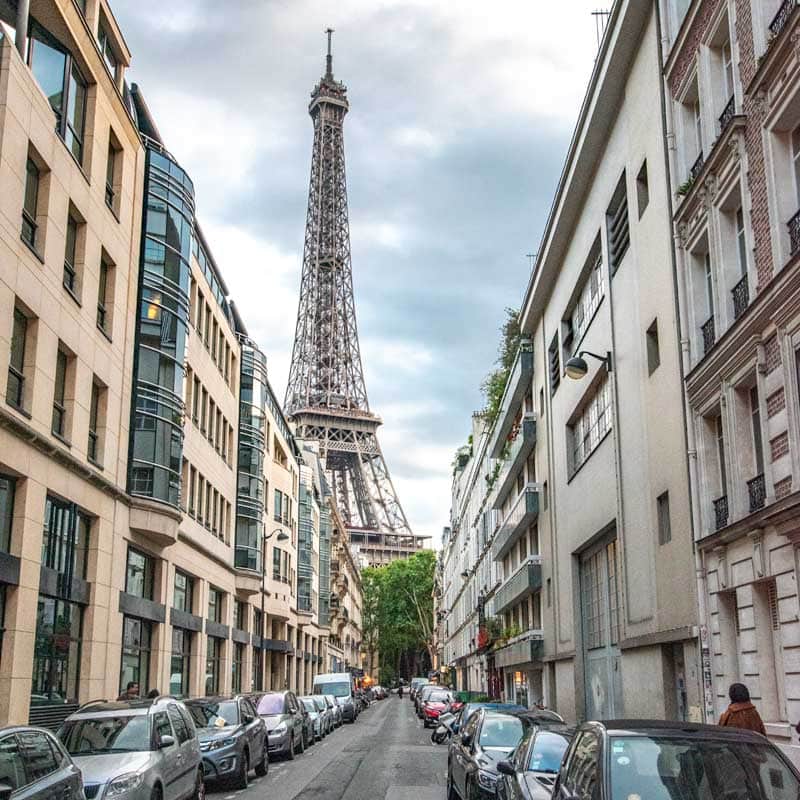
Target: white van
<point>340,685</point>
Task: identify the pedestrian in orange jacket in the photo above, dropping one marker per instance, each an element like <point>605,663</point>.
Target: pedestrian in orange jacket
<point>741,713</point>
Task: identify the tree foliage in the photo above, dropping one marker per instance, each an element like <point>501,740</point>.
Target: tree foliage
<point>494,383</point>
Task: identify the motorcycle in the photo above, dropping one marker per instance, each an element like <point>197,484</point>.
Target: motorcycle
<point>444,730</point>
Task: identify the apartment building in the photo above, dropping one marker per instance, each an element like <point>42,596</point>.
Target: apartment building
<point>732,84</point>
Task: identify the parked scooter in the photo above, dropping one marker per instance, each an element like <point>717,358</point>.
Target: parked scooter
<point>444,730</point>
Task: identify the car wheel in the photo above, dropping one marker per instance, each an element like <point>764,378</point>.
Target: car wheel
<point>290,751</point>
<point>156,794</point>
<point>242,777</point>
<point>199,786</point>
<point>450,791</point>
<point>262,768</point>
<point>302,742</point>
<point>471,790</point>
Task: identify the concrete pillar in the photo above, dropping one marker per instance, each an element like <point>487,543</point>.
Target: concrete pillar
<point>23,11</point>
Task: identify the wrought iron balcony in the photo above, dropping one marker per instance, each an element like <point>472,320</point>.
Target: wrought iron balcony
<point>522,650</point>
<point>794,233</point>
<point>741,297</point>
<point>757,491</point>
<point>518,451</point>
<point>727,115</point>
<point>782,17</point>
<point>709,334</point>
<point>697,167</point>
<point>721,512</point>
<point>519,380</point>
<point>526,580</point>
<point>523,512</point>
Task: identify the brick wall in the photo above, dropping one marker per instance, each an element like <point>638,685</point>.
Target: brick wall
<point>783,488</point>
<point>776,402</point>
<point>772,353</point>
<point>779,446</point>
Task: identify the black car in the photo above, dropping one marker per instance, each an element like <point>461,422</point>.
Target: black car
<point>487,738</point>
<point>531,770</point>
<point>655,760</point>
<point>35,766</point>
<point>233,738</point>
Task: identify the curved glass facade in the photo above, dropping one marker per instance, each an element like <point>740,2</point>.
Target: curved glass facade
<point>161,330</point>
<point>250,463</point>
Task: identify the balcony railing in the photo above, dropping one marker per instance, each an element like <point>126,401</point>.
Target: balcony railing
<point>523,512</point>
<point>518,451</point>
<point>727,115</point>
<point>782,17</point>
<point>696,167</point>
<point>709,334</point>
<point>794,233</point>
<point>721,512</point>
<point>741,297</point>
<point>757,492</point>
<point>519,381</point>
<point>522,650</point>
<point>526,580</point>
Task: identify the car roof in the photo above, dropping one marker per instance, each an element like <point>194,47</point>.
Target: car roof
<point>133,707</point>
<point>645,727</point>
<point>537,715</point>
<point>211,699</point>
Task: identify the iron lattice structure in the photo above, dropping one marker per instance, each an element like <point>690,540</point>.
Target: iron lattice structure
<point>326,395</point>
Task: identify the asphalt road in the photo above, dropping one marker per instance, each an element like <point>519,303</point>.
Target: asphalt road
<point>385,755</point>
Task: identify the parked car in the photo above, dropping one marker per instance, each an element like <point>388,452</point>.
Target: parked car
<point>335,711</point>
<point>233,738</point>
<point>35,766</point>
<point>486,738</point>
<point>470,708</point>
<point>415,693</point>
<point>324,713</point>
<point>314,717</point>
<point>422,696</point>
<point>143,749</point>
<point>285,723</point>
<point>436,703</point>
<point>414,684</point>
<point>379,692</point>
<point>531,770</point>
<point>656,760</point>
<point>340,685</point>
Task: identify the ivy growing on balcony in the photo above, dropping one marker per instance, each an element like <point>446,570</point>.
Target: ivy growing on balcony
<point>494,384</point>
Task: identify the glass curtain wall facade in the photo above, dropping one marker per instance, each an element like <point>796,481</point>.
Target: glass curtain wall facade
<point>325,530</point>
<point>250,462</point>
<point>161,331</point>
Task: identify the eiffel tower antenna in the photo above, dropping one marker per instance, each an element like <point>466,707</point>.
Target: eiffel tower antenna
<point>326,396</point>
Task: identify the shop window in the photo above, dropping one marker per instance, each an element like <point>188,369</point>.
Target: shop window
<point>136,648</point>
<point>140,575</point>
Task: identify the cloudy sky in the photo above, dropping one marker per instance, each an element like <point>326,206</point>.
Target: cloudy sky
<point>460,115</point>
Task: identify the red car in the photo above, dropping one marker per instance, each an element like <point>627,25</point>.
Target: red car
<point>437,702</point>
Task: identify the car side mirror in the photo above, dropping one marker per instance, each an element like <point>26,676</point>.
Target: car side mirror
<point>246,719</point>
<point>166,741</point>
<point>466,739</point>
<point>5,790</point>
<point>506,768</point>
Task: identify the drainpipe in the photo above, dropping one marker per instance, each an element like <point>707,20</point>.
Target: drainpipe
<point>680,299</point>
<point>23,11</point>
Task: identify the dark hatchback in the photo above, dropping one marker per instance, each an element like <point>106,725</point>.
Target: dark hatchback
<point>486,738</point>
<point>468,709</point>
<point>654,760</point>
<point>35,766</point>
<point>531,770</point>
<point>233,738</point>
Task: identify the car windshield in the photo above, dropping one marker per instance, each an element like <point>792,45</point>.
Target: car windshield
<point>214,715</point>
<point>440,697</point>
<point>271,704</point>
<point>336,689</point>
<point>501,731</point>
<point>320,703</point>
<point>662,768</point>
<point>85,737</point>
<point>547,752</point>
<point>309,705</point>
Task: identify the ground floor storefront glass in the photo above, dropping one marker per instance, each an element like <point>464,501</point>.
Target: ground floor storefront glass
<point>180,662</point>
<point>57,652</point>
<point>213,658</point>
<point>137,637</point>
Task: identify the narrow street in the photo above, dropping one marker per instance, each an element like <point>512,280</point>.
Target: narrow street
<point>385,754</point>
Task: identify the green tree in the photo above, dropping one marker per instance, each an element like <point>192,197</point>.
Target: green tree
<point>370,608</point>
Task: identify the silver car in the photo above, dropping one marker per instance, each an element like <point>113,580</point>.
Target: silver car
<point>325,712</point>
<point>338,717</point>
<point>144,750</point>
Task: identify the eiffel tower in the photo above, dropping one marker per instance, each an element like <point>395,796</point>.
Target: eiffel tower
<point>326,396</point>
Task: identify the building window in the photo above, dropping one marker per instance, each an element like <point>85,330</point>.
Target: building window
<point>213,658</point>
<point>57,654</point>
<point>642,189</point>
<point>277,508</point>
<point>240,615</point>
<point>617,222</point>
<point>142,481</point>
<point>215,604</point>
<point>720,446</point>
<point>653,351</point>
<point>276,563</point>
<point>15,391</point>
<point>136,642</point>
<point>591,295</point>
<point>59,409</point>
<point>257,680</point>
<point>236,667</point>
<point>62,83</point>
<point>180,662</point>
<point>70,279</point>
<point>94,448</point>
<point>664,524</point>
<point>65,540</point>
<point>183,594</point>
<point>741,242</point>
<point>113,158</point>
<point>7,490</point>
<point>591,425</point>
<point>554,365</point>
<point>140,574</point>
<point>106,48</point>
<point>103,309</point>
<point>30,203</point>
<point>755,417</point>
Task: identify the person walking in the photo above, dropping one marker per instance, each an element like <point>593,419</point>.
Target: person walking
<point>741,713</point>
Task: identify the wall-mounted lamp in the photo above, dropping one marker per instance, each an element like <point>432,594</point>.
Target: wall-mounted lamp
<point>576,368</point>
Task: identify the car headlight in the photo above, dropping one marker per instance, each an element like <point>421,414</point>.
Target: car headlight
<point>218,744</point>
<point>487,780</point>
<point>281,728</point>
<point>124,783</point>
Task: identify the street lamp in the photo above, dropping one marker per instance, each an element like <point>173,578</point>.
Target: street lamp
<point>576,368</point>
<point>282,537</point>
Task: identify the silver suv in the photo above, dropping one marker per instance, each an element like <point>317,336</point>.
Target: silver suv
<point>139,750</point>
